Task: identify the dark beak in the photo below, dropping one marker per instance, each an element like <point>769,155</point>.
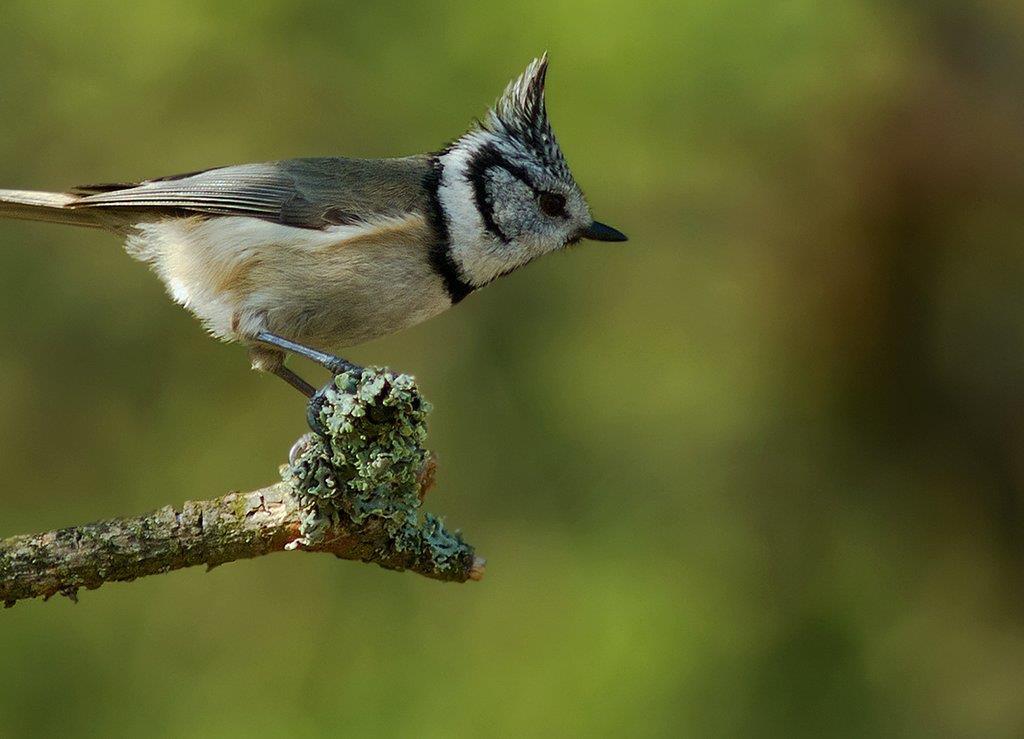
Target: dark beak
<point>600,232</point>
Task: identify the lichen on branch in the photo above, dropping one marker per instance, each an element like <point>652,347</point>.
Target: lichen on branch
<point>365,466</point>
<point>354,491</point>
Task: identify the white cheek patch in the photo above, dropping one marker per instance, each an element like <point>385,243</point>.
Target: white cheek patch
<point>455,192</point>
<point>479,255</point>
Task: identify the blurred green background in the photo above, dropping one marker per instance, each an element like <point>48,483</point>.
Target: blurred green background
<point>757,473</point>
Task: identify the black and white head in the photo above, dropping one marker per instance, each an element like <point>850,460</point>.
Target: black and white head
<point>505,190</point>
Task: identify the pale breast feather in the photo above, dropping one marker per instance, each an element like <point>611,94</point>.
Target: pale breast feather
<point>328,287</point>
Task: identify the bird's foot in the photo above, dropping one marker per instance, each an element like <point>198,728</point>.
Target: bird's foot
<point>313,408</point>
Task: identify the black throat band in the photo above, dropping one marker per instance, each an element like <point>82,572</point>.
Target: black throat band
<point>441,259</point>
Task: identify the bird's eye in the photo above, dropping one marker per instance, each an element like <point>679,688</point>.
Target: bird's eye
<point>552,204</point>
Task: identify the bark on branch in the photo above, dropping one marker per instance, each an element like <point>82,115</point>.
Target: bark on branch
<point>353,491</point>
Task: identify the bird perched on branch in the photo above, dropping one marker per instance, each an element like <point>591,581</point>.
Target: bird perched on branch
<point>310,256</point>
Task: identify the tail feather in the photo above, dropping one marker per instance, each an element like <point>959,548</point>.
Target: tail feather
<point>52,207</point>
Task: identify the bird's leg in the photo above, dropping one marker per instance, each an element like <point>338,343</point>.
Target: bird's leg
<point>334,365</point>
<point>294,380</point>
<point>272,361</point>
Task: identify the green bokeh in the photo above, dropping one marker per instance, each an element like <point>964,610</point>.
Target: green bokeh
<point>756,473</point>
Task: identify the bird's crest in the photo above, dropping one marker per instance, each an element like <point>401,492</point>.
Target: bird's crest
<point>521,114</point>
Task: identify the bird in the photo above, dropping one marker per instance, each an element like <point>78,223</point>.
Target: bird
<point>311,256</point>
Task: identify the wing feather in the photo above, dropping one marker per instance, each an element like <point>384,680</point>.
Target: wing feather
<point>307,193</point>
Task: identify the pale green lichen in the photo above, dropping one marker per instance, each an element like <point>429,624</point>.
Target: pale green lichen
<point>365,470</point>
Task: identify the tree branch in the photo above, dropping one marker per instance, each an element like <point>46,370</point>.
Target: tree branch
<point>352,491</point>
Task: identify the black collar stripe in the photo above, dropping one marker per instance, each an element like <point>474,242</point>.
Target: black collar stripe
<point>441,259</point>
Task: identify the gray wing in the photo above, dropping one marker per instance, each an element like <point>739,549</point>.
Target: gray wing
<point>306,193</point>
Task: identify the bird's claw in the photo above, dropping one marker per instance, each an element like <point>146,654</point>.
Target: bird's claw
<point>313,408</point>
